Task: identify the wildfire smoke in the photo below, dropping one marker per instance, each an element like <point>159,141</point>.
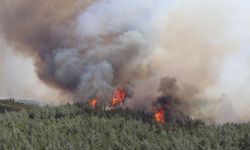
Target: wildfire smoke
<point>178,54</point>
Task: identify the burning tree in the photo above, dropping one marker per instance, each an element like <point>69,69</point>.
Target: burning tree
<point>159,116</point>
<point>168,102</point>
<point>93,103</point>
<point>118,97</point>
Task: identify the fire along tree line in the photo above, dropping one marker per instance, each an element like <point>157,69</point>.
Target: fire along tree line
<point>118,99</point>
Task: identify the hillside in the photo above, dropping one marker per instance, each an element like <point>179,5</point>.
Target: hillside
<point>80,127</point>
<point>12,105</point>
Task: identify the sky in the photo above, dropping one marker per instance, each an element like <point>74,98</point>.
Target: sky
<point>57,52</point>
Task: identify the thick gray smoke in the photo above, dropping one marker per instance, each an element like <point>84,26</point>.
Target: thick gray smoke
<point>84,64</point>
<point>88,48</point>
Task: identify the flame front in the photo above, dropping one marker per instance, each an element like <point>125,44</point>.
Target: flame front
<point>118,97</point>
<point>93,103</point>
<point>160,116</point>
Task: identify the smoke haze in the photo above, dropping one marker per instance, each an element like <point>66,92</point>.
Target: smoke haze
<point>194,53</point>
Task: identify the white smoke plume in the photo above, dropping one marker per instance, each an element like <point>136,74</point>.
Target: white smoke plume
<point>88,48</point>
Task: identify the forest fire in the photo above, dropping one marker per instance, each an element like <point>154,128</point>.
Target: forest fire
<point>93,102</point>
<point>118,97</point>
<point>159,116</point>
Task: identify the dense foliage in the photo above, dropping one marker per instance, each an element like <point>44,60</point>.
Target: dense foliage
<point>12,105</point>
<point>80,127</point>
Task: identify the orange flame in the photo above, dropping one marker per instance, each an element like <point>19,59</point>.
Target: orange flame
<point>160,116</point>
<point>93,103</point>
<point>118,97</point>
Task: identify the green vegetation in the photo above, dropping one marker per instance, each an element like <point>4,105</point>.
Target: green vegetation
<point>80,127</point>
<point>12,105</point>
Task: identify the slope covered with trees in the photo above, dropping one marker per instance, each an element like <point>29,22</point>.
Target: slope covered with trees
<point>81,127</point>
<point>12,105</point>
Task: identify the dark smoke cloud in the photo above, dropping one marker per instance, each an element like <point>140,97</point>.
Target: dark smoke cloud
<point>38,29</point>
<point>174,100</point>
<point>81,66</point>
<point>88,48</point>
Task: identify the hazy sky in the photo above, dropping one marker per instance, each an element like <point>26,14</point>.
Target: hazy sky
<point>83,48</point>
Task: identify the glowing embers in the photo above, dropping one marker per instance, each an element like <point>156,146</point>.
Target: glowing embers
<point>93,103</point>
<point>159,116</point>
<point>118,97</point>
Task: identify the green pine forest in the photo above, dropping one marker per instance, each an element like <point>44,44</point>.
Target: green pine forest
<point>79,127</point>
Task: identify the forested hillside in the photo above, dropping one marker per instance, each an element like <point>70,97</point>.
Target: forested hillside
<point>81,127</point>
<point>12,105</point>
